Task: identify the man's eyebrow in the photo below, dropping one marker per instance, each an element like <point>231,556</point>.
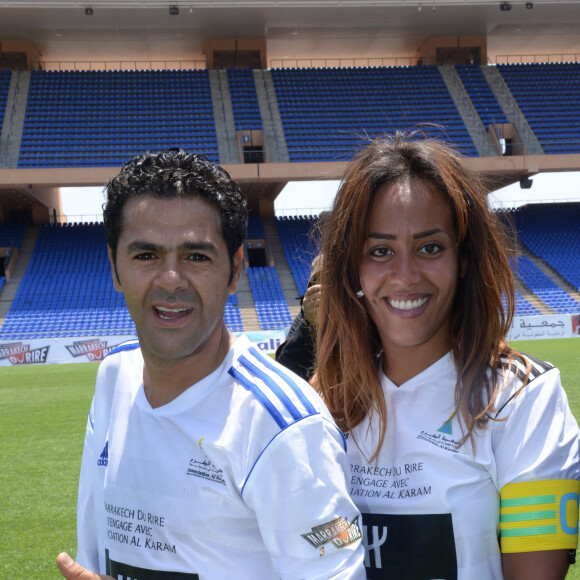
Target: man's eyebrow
<point>417,236</point>
<point>142,246</point>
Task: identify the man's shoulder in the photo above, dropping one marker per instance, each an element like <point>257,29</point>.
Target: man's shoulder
<point>127,346</point>
<point>282,393</point>
<point>121,355</point>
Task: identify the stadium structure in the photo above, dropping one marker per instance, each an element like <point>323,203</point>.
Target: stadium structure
<point>274,91</point>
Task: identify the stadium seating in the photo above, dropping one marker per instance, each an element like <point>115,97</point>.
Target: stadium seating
<point>232,316</point>
<point>522,306</point>
<point>5,76</point>
<point>11,235</point>
<point>244,99</point>
<point>547,94</point>
<point>103,118</point>
<point>545,288</point>
<point>552,232</point>
<point>271,307</point>
<point>481,94</point>
<point>295,233</point>
<point>327,112</point>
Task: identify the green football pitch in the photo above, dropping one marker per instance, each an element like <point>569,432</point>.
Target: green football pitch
<point>43,413</point>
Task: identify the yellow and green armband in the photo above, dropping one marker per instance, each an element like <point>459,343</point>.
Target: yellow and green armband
<point>539,515</point>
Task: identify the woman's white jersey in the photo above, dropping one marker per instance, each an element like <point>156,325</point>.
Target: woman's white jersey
<point>432,510</point>
<point>241,476</point>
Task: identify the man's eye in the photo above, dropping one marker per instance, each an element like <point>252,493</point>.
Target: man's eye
<point>145,256</point>
<point>198,257</point>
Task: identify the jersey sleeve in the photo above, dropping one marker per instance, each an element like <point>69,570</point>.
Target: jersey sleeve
<point>298,491</point>
<point>535,445</point>
<point>87,553</point>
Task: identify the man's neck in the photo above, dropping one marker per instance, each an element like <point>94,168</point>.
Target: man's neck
<point>164,380</point>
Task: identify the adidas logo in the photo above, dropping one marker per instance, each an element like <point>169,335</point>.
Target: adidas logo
<point>104,458</point>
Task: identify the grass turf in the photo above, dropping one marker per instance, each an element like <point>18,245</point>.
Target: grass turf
<point>43,411</point>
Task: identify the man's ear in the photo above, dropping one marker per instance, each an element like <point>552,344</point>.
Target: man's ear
<point>236,269</point>
<point>116,281</point>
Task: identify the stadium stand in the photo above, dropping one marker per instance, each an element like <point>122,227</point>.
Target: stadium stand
<point>543,287</point>
<point>326,111</point>
<point>551,232</point>
<point>481,94</point>
<point>5,76</point>
<point>244,99</point>
<point>295,234</point>
<point>271,307</point>
<point>232,316</point>
<point>11,235</point>
<point>547,94</point>
<point>103,118</point>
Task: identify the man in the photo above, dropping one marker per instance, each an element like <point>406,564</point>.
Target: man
<point>203,458</point>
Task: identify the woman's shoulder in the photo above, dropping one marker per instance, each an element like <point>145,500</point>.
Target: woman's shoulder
<point>523,375</point>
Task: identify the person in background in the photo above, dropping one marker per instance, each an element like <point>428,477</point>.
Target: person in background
<point>203,458</point>
<point>297,350</point>
<point>463,451</point>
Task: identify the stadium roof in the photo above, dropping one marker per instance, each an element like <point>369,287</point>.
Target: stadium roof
<point>294,29</point>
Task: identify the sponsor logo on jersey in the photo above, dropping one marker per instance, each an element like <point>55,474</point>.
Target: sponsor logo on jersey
<point>121,571</point>
<point>443,437</point>
<point>206,470</point>
<point>335,534</point>
<point>19,353</point>
<point>409,546</point>
<point>447,427</point>
<point>93,350</point>
<point>104,457</point>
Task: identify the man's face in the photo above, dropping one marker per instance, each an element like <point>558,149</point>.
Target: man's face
<point>173,268</point>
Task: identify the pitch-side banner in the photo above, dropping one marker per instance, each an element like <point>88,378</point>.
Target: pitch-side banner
<point>544,326</point>
<point>83,349</point>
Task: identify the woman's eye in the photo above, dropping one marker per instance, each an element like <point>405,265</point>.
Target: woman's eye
<point>380,252</point>
<point>430,249</point>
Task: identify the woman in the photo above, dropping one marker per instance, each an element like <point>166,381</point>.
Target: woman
<point>463,452</point>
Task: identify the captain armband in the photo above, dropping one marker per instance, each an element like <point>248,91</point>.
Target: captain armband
<point>539,515</point>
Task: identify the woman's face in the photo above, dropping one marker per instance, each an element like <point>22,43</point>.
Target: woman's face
<point>409,270</point>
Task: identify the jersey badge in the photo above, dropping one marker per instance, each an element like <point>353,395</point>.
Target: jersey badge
<point>447,427</point>
<point>206,470</point>
<point>334,535</point>
<point>442,437</point>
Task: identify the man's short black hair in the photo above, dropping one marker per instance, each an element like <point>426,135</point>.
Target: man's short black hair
<point>174,173</point>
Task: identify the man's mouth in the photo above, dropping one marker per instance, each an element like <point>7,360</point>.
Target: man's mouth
<point>171,313</point>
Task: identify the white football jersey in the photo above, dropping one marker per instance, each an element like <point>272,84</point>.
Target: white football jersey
<point>432,510</point>
<point>241,476</point>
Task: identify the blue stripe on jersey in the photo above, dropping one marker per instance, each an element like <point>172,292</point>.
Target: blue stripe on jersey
<point>273,386</point>
<point>287,378</point>
<point>127,345</point>
<point>260,396</point>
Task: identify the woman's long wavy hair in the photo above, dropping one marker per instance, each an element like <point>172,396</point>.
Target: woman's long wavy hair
<point>348,343</point>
